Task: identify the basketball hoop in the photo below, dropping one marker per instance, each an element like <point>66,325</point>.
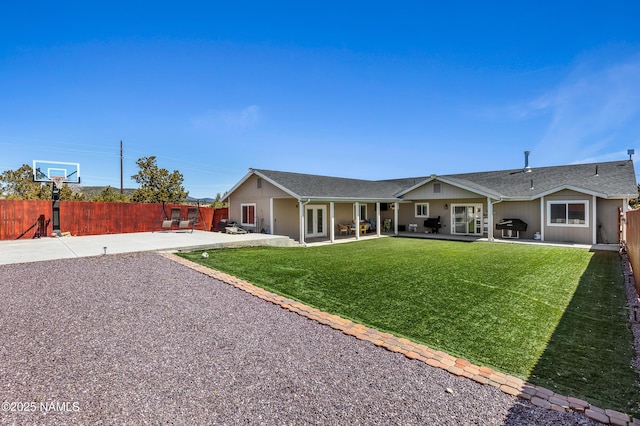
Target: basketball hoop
<point>58,181</point>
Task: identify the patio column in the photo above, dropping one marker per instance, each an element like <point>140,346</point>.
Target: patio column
<point>378,218</point>
<point>489,219</point>
<point>301,204</point>
<point>271,219</point>
<point>357,220</point>
<point>396,206</point>
<point>332,230</point>
<point>542,218</point>
<point>594,224</point>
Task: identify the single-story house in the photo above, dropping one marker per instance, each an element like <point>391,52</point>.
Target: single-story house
<point>580,203</point>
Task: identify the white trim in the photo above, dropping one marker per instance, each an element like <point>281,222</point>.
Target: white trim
<point>568,225</point>
<point>487,193</point>
<point>479,210</point>
<point>542,221</point>
<point>271,218</point>
<point>356,221</point>
<point>301,223</point>
<point>332,219</point>
<point>378,226</point>
<point>415,209</point>
<point>313,207</point>
<point>242,222</point>
<point>595,220</point>
<point>359,210</point>
<point>489,220</point>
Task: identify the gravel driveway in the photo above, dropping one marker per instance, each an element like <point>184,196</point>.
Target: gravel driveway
<point>140,339</point>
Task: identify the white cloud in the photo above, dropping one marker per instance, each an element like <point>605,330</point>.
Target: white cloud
<point>229,119</point>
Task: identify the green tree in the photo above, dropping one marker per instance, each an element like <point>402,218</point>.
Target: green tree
<point>157,185</point>
<point>19,185</point>
<point>217,203</point>
<point>635,203</point>
<point>111,195</point>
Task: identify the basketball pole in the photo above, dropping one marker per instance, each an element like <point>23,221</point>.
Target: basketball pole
<point>55,216</point>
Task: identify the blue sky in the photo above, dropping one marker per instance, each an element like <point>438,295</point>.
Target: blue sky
<point>371,90</point>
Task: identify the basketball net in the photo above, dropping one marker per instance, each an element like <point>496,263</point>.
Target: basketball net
<point>58,181</point>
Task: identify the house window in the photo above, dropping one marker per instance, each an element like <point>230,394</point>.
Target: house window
<point>437,188</point>
<point>422,209</point>
<point>248,214</point>
<point>363,212</point>
<point>568,213</point>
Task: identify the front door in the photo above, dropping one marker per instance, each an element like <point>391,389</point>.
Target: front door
<point>466,219</point>
<point>316,221</point>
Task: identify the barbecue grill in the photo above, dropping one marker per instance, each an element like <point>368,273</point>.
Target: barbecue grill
<point>511,226</point>
<point>433,223</point>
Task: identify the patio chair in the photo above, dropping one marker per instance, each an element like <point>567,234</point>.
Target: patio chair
<point>168,222</point>
<point>190,221</point>
<point>344,229</point>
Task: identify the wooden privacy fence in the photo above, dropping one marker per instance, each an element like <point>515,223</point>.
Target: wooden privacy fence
<point>32,218</point>
<point>633,244</point>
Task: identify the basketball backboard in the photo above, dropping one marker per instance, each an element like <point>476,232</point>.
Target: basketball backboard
<point>45,171</point>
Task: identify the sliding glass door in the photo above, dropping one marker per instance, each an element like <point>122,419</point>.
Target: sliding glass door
<point>466,219</point>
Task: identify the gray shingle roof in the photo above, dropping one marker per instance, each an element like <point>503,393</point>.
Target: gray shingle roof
<point>329,187</point>
<point>613,179</point>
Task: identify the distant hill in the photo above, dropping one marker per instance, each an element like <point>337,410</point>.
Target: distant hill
<point>92,191</point>
<point>202,200</point>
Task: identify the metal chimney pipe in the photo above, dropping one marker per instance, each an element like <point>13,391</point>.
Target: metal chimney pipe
<point>526,161</point>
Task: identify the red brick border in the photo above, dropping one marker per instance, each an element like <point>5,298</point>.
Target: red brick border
<point>511,385</point>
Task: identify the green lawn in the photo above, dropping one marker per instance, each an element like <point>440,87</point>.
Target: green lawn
<point>553,316</point>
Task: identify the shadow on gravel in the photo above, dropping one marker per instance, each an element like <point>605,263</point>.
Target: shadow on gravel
<point>590,353</point>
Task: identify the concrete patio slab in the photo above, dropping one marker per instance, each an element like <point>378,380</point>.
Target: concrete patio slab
<point>51,248</point>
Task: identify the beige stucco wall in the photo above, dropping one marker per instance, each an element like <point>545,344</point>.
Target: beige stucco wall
<point>286,212</point>
<point>447,192</point>
<point>249,192</point>
<point>527,211</point>
<point>608,221</point>
<point>579,235</point>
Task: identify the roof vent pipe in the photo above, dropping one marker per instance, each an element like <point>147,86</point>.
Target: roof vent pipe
<point>527,169</point>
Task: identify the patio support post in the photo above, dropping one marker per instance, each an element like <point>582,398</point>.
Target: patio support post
<point>396,206</point>
<point>378,218</point>
<point>301,204</point>
<point>489,219</point>
<point>357,220</point>
<point>542,218</point>
<point>271,219</point>
<point>332,229</point>
<point>594,224</point>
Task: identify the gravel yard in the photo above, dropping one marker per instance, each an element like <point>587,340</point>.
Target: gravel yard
<point>140,339</point>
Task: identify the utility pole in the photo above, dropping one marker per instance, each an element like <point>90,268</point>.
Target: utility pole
<point>121,180</point>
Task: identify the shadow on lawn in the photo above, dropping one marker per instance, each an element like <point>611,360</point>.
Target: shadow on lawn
<point>590,352</point>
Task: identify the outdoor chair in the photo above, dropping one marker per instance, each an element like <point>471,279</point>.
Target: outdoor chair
<point>175,218</point>
<point>344,229</point>
<point>190,221</point>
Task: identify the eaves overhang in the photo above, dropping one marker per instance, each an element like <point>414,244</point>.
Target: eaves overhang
<point>570,188</point>
<point>480,191</point>
<point>353,199</point>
